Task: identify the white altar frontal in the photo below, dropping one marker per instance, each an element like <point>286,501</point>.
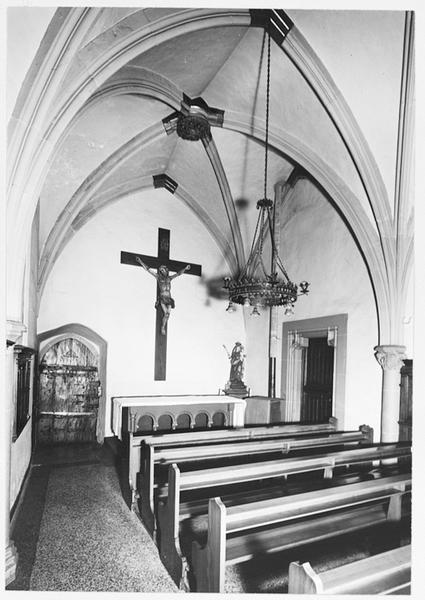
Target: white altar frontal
<point>132,413</point>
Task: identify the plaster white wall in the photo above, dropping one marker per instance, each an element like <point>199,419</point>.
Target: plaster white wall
<point>317,247</point>
<point>30,296</point>
<point>22,447</point>
<point>19,461</point>
<point>409,318</point>
<point>362,49</point>
<point>257,349</point>
<point>26,26</point>
<point>88,285</point>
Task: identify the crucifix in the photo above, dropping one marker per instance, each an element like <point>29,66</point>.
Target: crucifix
<point>164,302</point>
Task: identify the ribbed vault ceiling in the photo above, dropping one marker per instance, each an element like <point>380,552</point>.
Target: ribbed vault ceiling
<point>227,67</point>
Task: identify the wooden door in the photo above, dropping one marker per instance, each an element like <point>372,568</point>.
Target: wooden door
<point>69,394</point>
<point>316,405</point>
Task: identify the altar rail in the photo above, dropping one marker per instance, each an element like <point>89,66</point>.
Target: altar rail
<point>148,414</point>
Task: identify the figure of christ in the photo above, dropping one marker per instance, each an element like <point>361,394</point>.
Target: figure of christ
<point>164,286</point>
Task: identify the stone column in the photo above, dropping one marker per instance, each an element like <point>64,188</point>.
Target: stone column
<point>391,360</point>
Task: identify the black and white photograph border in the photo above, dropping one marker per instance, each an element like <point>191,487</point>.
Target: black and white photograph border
<point>263,164</point>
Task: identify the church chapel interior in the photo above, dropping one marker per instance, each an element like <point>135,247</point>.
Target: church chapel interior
<point>240,421</point>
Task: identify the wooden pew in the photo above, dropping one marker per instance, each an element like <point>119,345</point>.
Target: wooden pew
<point>385,573</point>
<point>172,509</point>
<point>239,533</point>
<point>189,438</point>
<point>151,455</point>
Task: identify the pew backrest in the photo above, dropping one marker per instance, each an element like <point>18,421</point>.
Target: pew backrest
<point>151,456</point>
<point>288,466</point>
<point>175,506</point>
<point>229,475</point>
<point>385,573</point>
<point>193,438</point>
<point>259,514</point>
<point>330,512</point>
<point>239,433</point>
<point>265,446</point>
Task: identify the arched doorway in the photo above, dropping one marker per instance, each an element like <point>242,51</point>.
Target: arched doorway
<point>69,391</point>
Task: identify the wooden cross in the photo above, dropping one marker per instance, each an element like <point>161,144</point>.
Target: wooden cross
<point>154,262</point>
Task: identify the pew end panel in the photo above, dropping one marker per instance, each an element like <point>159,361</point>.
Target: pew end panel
<point>209,561</point>
<point>302,579</point>
<point>134,462</point>
<point>145,485</point>
<point>385,573</point>
<point>168,531</point>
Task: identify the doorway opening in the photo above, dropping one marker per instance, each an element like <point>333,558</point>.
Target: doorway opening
<point>313,369</point>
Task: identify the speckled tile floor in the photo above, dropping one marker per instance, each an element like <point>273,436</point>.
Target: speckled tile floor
<point>74,531</point>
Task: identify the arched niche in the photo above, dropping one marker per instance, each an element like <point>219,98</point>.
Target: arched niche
<point>96,344</point>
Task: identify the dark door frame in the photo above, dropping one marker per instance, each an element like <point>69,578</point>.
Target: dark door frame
<point>317,327</point>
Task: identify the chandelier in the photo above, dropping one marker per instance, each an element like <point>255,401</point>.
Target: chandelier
<point>254,285</point>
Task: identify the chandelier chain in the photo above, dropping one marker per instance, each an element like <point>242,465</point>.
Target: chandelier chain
<point>261,246</point>
<point>267,112</point>
<point>250,287</point>
<point>251,254</point>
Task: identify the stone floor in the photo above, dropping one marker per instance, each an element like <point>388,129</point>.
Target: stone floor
<point>74,532</point>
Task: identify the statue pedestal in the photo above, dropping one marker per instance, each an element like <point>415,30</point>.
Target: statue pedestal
<point>236,388</point>
<point>262,410</point>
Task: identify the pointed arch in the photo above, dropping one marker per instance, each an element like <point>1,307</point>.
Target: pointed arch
<point>91,338</point>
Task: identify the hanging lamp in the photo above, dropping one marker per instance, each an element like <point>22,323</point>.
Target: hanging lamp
<point>256,286</point>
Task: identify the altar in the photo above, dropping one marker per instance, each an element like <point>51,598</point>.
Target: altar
<point>143,414</point>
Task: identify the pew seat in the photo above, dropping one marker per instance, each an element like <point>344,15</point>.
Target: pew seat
<point>240,533</point>
<point>385,573</point>
<point>153,457</point>
<point>194,438</point>
<point>174,507</point>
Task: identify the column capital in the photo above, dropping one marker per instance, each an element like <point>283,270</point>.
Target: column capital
<point>390,357</point>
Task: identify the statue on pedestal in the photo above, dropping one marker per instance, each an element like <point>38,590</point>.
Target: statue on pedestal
<point>235,386</point>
